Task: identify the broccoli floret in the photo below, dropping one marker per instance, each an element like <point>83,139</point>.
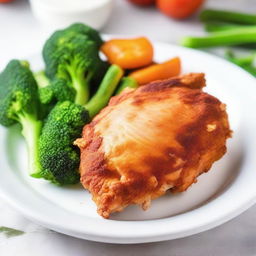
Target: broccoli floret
<point>46,95</point>
<point>57,91</point>
<point>79,28</point>
<point>72,54</point>
<point>19,103</point>
<point>59,158</point>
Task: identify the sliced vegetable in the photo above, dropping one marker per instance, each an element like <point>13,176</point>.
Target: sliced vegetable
<point>127,82</point>
<point>19,103</point>
<point>228,16</point>
<point>72,54</point>
<point>229,37</point>
<point>105,91</point>
<point>129,53</point>
<point>179,9</point>
<point>217,26</point>
<point>246,62</point>
<point>154,72</point>
<point>58,156</point>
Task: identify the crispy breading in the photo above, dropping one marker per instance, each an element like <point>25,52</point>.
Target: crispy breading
<point>158,137</point>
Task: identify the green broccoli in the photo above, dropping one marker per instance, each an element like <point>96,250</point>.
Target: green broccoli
<point>80,28</point>
<point>72,54</point>
<point>59,158</point>
<point>19,103</point>
<point>51,92</point>
<point>56,91</point>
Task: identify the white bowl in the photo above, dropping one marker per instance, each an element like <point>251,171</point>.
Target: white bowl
<point>60,13</point>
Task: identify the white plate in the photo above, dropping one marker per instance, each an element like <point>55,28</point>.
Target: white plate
<point>223,193</point>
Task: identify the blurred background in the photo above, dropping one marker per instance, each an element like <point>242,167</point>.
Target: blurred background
<point>23,34</point>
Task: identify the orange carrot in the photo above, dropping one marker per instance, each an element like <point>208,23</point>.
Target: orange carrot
<point>129,53</point>
<point>160,71</point>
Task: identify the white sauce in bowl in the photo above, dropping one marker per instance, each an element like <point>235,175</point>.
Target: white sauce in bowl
<point>60,13</point>
<point>72,5</point>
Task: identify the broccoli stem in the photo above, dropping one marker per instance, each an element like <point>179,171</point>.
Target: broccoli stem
<point>126,82</point>
<point>105,91</point>
<point>31,129</point>
<point>230,37</point>
<point>228,16</point>
<point>41,79</point>
<point>82,91</point>
<point>80,84</point>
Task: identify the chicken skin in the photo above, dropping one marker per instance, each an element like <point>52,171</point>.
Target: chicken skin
<point>158,137</point>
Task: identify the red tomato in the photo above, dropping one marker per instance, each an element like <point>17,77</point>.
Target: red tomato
<point>141,2</point>
<point>5,1</point>
<point>179,9</point>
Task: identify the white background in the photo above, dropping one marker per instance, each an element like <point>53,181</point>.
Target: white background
<point>20,36</point>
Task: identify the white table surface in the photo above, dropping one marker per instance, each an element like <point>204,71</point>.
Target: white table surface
<point>20,36</point>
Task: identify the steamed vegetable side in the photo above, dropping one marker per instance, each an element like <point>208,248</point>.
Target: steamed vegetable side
<point>217,27</point>
<point>57,91</point>
<point>127,82</point>
<point>228,28</point>
<point>105,91</point>
<point>129,53</point>
<point>137,54</point>
<point>228,16</point>
<point>245,62</point>
<point>72,62</point>
<point>54,104</point>
<point>41,79</point>
<point>19,103</point>
<point>228,37</point>
<point>44,103</point>
<point>160,71</point>
<point>72,54</point>
<point>59,158</point>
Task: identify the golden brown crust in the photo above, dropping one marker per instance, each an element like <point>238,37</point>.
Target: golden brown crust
<point>146,141</point>
<point>191,80</point>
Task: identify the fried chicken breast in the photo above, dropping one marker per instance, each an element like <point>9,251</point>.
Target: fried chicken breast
<point>148,140</point>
